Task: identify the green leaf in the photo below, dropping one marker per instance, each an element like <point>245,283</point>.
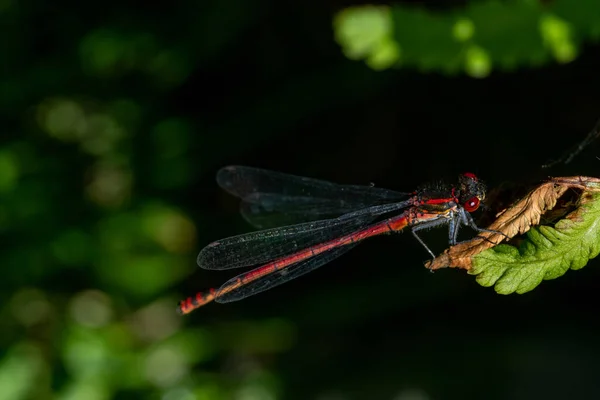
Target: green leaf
<point>476,39</point>
<point>546,253</point>
<point>366,32</point>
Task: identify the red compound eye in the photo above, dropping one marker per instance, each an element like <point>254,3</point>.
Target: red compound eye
<point>470,176</point>
<point>472,204</point>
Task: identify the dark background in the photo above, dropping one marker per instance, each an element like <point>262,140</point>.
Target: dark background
<point>116,118</point>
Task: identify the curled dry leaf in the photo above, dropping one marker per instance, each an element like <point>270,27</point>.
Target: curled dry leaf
<point>515,220</point>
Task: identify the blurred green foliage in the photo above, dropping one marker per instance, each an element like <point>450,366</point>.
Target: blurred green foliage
<point>476,39</point>
<point>92,248</point>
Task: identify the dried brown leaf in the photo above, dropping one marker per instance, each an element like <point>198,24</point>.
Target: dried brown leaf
<point>515,220</point>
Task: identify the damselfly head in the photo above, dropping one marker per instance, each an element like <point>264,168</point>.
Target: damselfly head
<point>472,191</point>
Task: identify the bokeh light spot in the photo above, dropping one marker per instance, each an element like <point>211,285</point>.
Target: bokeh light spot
<point>110,184</point>
<point>463,29</point>
<point>101,135</point>
<point>88,390</point>
<point>155,322</point>
<point>361,30</point>
<point>565,51</point>
<point>30,306</point>
<point>165,366</point>
<point>63,119</point>
<point>86,354</point>
<point>477,62</point>
<point>557,36</point>
<point>21,365</point>
<point>385,55</point>
<point>9,171</point>
<point>91,308</point>
<point>175,232</point>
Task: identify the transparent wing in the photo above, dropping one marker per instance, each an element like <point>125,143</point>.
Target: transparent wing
<point>264,246</point>
<point>226,295</point>
<point>271,199</point>
<point>303,261</point>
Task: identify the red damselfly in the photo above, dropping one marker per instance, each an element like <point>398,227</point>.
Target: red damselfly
<point>311,222</point>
